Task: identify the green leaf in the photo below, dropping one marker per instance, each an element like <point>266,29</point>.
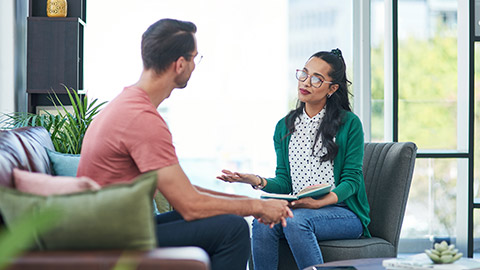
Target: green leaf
<point>21,238</point>
<point>126,262</point>
<point>67,129</point>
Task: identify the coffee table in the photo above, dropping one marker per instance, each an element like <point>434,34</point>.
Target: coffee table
<point>360,264</point>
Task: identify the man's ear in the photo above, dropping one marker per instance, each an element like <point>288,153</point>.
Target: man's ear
<point>180,64</point>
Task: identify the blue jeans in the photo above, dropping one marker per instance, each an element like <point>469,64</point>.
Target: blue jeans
<point>225,238</point>
<point>302,233</point>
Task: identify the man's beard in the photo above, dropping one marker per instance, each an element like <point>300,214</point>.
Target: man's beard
<point>180,81</point>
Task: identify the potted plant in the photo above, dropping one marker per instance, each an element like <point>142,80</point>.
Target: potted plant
<point>67,127</point>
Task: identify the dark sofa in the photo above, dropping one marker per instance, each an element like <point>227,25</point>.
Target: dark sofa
<point>24,148</point>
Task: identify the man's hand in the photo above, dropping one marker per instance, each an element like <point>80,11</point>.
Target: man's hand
<point>273,212</point>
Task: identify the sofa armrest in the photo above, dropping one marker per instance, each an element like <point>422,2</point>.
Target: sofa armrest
<point>174,258</point>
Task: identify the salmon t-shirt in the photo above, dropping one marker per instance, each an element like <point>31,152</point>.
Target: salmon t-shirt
<point>127,138</point>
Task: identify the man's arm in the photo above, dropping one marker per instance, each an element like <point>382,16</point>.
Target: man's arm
<point>216,193</point>
<point>192,204</point>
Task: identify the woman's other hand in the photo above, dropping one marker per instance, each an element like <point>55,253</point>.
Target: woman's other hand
<point>306,203</point>
<point>309,202</point>
<point>236,177</point>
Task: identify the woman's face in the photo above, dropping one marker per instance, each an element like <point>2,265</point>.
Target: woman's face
<point>316,96</point>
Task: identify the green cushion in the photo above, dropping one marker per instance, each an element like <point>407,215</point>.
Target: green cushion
<point>117,216</point>
<point>63,164</point>
<point>161,203</point>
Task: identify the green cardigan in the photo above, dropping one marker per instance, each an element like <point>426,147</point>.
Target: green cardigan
<point>347,167</point>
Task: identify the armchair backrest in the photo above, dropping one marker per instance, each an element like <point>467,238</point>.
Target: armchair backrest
<point>388,170</point>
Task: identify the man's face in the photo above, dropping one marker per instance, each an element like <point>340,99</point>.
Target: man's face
<point>181,80</point>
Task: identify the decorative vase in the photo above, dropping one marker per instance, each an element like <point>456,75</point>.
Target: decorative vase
<point>57,8</point>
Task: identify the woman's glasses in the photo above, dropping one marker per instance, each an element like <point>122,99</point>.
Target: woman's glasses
<point>315,81</point>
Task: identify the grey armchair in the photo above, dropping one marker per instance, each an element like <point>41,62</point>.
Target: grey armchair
<point>387,170</point>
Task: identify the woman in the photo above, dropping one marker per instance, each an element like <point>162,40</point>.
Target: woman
<point>321,141</point>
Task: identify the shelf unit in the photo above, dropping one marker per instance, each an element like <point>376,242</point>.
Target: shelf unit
<point>54,53</point>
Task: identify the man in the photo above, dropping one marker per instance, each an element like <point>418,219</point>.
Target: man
<point>129,137</point>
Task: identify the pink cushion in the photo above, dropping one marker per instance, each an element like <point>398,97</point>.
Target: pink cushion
<point>45,184</point>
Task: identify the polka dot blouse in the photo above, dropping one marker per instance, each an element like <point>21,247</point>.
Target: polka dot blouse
<point>306,169</point>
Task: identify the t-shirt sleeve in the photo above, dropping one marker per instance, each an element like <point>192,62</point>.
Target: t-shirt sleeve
<point>150,144</point>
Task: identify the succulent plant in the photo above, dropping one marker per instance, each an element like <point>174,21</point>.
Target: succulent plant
<point>443,253</point>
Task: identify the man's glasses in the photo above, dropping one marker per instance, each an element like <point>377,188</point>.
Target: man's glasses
<point>197,59</point>
<point>314,80</point>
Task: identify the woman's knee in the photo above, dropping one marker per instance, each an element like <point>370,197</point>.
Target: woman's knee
<point>262,232</point>
<point>259,229</point>
<point>297,223</point>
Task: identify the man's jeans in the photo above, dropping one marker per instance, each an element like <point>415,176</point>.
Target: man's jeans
<point>225,238</point>
<point>302,233</point>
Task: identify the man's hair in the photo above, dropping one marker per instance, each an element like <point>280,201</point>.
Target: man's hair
<point>165,41</point>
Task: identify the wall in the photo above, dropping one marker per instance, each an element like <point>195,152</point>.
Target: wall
<point>13,55</point>
<point>7,93</point>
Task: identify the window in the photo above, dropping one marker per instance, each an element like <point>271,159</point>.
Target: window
<point>476,159</point>
<point>427,111</point>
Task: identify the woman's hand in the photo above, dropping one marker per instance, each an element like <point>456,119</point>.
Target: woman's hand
<point>236,177</point>
<point>309,202</point>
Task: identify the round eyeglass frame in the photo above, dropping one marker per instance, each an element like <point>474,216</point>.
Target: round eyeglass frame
<point>300,71</point>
